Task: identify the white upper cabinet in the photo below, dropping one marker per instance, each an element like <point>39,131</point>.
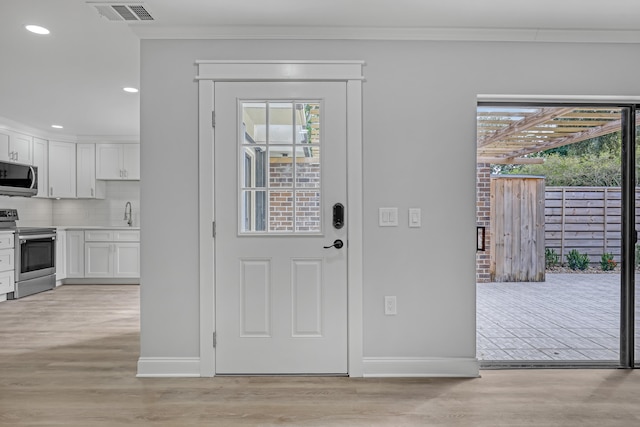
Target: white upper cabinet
<point>41,161</point>
<point>4,146</point>
<point>16,147</point>
<point>20,148</point>
<point>131,161</point>
<point>62,169</point>
<point>86,185</point>
<point>118,161</point>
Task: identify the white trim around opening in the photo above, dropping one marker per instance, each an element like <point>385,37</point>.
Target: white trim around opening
<point>294,70</point>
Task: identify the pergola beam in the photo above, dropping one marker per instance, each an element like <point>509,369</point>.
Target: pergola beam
<point>610,127</point>
<point>544,115</point>
<point>511,160</point>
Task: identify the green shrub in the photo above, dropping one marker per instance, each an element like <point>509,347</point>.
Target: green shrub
<point>607,262</point>
<point>551,257</point>
<point>637,255</point>
<point>577,261</point>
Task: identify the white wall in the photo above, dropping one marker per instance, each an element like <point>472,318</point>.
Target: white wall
<point>108,211</point>
<point>419,151</point>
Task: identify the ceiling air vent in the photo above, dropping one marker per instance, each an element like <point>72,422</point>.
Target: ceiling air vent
<point>122,11</point>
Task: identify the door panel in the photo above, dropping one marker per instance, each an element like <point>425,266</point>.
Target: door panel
<point>281,296</point>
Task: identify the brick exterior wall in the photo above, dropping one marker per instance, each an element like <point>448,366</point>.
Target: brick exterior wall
<point>307,197</point>
<point>483,219</point>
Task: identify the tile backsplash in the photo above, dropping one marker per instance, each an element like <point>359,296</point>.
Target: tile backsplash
<point>101,212</point>
<point>32,212</point>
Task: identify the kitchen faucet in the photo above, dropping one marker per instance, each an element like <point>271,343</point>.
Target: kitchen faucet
<point>127,214</point>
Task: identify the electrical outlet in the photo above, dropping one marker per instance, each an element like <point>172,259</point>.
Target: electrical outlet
<point>390,307</point>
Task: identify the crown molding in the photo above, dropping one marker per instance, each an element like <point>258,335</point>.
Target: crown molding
<point>380,33</point>
<point>18,127</point>
<point>132,139</point>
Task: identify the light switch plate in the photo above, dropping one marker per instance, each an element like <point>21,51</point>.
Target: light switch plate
<point>415,217</point>
<point>388,217</point>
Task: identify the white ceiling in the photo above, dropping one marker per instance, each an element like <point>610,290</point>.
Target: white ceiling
<point>74,77</point>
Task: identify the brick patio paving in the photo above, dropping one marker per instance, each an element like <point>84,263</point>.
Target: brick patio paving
<point>570,317</point>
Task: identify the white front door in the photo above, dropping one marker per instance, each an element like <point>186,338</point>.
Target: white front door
<point>280,173</point>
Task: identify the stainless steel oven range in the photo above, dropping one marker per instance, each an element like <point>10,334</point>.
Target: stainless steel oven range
<point>35,256</point>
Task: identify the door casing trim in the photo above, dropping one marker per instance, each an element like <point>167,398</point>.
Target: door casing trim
<point>210,72</point>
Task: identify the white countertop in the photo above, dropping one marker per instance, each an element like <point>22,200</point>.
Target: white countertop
<point>95,227</point>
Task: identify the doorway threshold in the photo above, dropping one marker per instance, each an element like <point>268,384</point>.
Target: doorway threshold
<point>545,364</point>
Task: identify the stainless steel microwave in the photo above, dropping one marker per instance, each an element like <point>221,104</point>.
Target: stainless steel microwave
<point>17,179</point>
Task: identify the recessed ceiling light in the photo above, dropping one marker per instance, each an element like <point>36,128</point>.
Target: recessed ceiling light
<point>56,126</point>
<point>37,29</point>
<point>130,89</point>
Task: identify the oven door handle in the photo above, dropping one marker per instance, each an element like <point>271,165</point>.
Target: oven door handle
<point>37,236</point>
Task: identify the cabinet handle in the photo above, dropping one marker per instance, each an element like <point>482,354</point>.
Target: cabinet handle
<point>51,191</point>
<point>17,156</point>
<point>92,192</point>
<point>120,173</point>
<point>126,173</point>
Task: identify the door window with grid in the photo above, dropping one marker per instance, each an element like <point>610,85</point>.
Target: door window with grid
<point>280,167</point>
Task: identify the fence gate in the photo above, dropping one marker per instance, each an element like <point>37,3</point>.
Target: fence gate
<point>517,229</point>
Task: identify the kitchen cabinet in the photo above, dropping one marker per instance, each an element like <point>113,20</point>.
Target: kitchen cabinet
<point>118,161</point>
<point>62,169</point>
<point>20,148</point>
<point>7,259</point>
<point>61,256</point>
<point>112,253</point>
<point>16,147</point>
<point>41,161</point>
<point>99,259</point>
<point>75,253</point>
<point>86,185</point>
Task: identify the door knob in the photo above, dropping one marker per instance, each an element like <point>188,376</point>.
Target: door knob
<point>336,244</point>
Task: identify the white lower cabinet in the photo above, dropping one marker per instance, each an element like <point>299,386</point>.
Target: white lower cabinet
<point>7,258</point>
<point>61,256</point>
<point>126,260</point>
<point>75,253</point>
<point>104,259</point>
<point>98,257</point>
<point>110,254</point>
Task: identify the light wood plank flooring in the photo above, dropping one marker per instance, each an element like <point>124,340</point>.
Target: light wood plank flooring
<point>68,358</point>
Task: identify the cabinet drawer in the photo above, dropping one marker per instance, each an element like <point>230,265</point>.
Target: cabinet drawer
<point>7,259</point>
<point>126,235</point>
<point>6,282</point>
<point>6,240</point>
<point>98,235</point>
<point>112,235</point>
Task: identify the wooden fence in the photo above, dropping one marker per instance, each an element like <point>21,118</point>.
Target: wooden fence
<point>587,219</point>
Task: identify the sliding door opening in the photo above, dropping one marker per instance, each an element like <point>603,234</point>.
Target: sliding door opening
<point>556,196</point>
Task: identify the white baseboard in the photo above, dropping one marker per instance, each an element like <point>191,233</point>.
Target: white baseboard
<point>103,281</point>
<point>421,367</point>
<point>149,367</point>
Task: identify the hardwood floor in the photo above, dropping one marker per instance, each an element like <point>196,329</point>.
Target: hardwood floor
<point>68,358</point>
